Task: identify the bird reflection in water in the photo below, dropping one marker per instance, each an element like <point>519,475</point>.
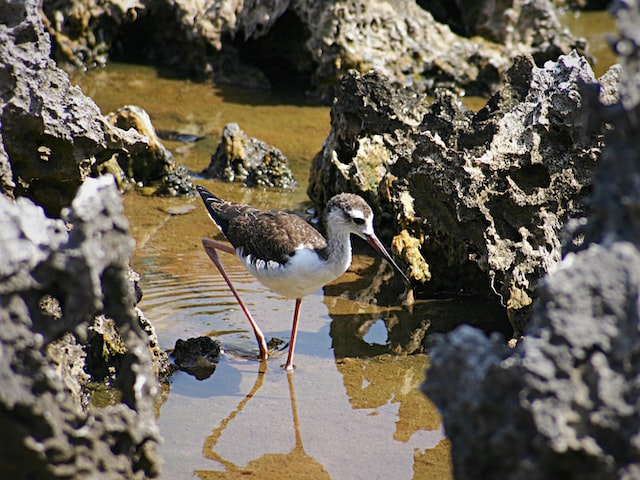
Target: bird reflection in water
<point>295,464</point>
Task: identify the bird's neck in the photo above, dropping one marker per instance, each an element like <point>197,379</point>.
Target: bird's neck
<point>338,249</point>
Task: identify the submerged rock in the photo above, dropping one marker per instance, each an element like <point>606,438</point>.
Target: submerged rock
<point>197,356</point>
<point>240,158</point>
<point>564,403</point>
<point>56,277</point>
<point>478,198</point>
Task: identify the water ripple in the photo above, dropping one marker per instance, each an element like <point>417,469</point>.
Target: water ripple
<point>182,306</point>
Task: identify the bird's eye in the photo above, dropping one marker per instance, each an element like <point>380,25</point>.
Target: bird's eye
<point>358,221</point>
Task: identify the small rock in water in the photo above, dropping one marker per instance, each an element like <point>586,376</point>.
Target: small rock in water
<point>175,136</point>
<point>197,356</point>
<point>240,158</point>
<point>180,209</point>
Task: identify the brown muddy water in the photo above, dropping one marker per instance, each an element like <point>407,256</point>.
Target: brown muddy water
<point>352,409</point>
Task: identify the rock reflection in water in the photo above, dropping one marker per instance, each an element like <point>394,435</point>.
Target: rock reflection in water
<point>356,307</point>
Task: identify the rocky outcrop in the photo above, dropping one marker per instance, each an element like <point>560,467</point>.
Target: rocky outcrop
<point>82,32</point>
<point>583,4</point>
<point>513,24</point>
<point>51,132</point>
<point>402,41</point>
<point>564,402</point>
<point>280,41</point>
<point>478,198</point>
<point>240,158</point>
<point>56,276</point>
<point>67,294</point>
<point>54,136</point>
<point>154,170</point>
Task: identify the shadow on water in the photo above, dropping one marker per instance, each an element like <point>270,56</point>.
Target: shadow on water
<point>367,319</point>
<point>400,332</point>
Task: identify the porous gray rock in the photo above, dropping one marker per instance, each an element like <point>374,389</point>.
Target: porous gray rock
<point>402,41</point>
<point>246,42</point>
<point>513,24</point>
<point>56,276</point>
<point>565,402</point>
<point>52,134</point>
<point>53,137</point>
<point>478,198</point>
<point>240,158</point>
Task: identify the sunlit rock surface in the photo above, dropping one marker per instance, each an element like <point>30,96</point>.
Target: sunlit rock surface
<point>284,42</point>
<point>478,199</point>
<point>53,136</point>
<point>153,169</point>
<point>56,276</point>
<point>564,403</point>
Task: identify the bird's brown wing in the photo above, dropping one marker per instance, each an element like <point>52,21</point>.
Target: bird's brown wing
<point>272,235</point>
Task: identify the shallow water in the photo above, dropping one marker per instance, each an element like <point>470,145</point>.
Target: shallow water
<point>352,408</point>
<point>598,28</point>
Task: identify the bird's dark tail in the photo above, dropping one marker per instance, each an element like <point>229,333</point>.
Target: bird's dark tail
<point>207,196</point>
<point>213,205</point>
<point>221,211</point>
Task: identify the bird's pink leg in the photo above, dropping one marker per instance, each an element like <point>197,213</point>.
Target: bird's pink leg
<point>294,332</point>
<point>210,246</point>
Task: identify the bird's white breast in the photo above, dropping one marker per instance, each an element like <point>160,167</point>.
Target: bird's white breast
<point>305,273</point>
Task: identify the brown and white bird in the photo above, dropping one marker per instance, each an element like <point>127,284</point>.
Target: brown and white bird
<point>287,254</point>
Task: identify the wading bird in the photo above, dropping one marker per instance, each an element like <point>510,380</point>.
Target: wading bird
<point>287,254</point>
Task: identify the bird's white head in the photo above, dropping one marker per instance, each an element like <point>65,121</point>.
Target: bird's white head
<point>348,213</point>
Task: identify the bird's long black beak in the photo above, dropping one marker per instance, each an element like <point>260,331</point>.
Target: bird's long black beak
<point>378,247</point>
